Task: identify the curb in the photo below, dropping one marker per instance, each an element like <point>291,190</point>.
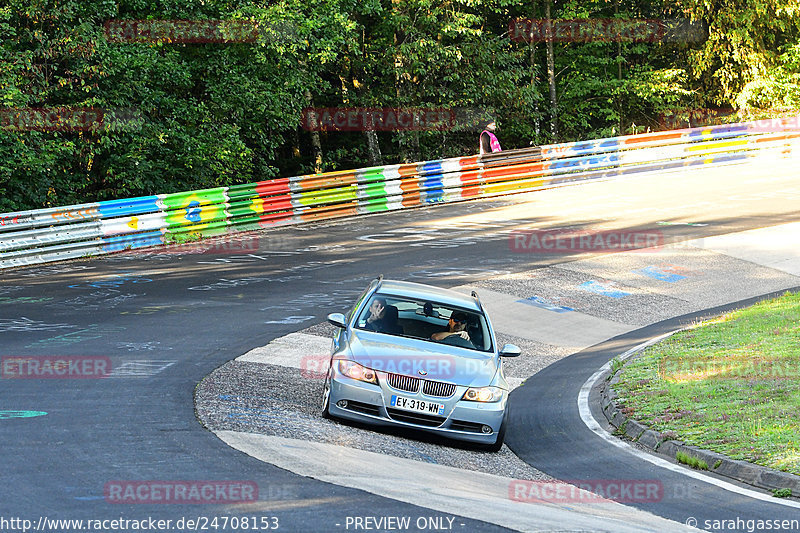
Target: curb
<point>743,471</point>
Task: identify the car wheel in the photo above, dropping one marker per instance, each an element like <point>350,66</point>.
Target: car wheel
<point>326,397</point>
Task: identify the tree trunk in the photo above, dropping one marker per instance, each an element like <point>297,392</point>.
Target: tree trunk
<point>316,145</point>
<point>534,75</point>
<point>373,149</point>
<point>551,72</point>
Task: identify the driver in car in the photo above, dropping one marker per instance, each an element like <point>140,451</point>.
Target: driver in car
<point>457,331</point>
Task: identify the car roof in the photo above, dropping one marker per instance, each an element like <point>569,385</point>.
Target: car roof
<point>428,292</point>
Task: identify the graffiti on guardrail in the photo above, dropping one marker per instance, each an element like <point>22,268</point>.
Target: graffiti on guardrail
<point>75,214</point>
<point>16,219</point>
<point>180,217</point>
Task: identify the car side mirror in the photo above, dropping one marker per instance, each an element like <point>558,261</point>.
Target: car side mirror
<point>338,320</point>
<point>510,350</point>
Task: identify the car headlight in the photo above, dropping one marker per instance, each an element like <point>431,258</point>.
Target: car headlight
<point>355,371</point>
<point>483,394</point>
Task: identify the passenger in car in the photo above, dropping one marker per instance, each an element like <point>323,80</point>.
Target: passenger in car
<point>383,318</point>
<point>456,331</point>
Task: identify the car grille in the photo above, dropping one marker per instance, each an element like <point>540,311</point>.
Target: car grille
<point>405,383</point>
<point>438,388</point>
<point>416,418</point>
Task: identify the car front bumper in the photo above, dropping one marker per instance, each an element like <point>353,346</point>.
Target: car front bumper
<point>461,420</point>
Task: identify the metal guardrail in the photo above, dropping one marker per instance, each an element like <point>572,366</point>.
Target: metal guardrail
<point>54,234</point>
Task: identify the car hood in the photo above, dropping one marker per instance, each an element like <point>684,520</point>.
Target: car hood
<point>412,357</point>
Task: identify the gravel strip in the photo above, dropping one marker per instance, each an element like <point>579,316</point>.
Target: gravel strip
<point>274,400</point>
<point>560,287</point>
<point>535,356</point>
<point>323,329</point>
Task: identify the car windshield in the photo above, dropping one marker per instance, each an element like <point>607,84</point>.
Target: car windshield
<point>426,320</point>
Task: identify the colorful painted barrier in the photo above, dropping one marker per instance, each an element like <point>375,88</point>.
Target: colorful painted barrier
<point>55,234</point>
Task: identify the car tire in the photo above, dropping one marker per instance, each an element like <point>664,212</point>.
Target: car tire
<point>326,397</point>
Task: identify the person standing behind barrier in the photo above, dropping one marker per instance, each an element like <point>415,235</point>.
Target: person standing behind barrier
<point>488,141</point>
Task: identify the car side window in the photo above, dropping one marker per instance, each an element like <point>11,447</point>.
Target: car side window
<point>358,302</point>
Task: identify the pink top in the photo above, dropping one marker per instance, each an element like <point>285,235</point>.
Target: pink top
<point>493,142</point>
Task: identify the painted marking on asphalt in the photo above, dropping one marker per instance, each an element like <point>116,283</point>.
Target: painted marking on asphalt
<point>294,319</point>
<point>606,288</point>
<point>20,414</point>
<point>592,424</point>
<point>661,273</point>
<point>693,224</point>
<point>540,302</point>
<point>140,369</point>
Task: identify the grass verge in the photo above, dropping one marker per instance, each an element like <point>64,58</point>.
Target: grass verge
<point>731,384</point>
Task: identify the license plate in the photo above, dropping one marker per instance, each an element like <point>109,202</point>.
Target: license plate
<point>417,406</point>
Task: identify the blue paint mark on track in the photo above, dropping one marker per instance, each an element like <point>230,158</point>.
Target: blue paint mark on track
<point>606,289</point>
<point>660,274</point>
<point>540,302</point>
<point>20,414</point>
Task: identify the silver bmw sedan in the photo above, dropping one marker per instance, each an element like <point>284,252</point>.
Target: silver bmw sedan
<point>420,357</point>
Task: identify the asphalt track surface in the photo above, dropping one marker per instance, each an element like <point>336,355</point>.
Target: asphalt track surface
<point>547,431</point>
<point>166,320</point>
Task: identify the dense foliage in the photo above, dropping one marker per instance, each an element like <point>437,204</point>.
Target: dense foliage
<point>190,115</point>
